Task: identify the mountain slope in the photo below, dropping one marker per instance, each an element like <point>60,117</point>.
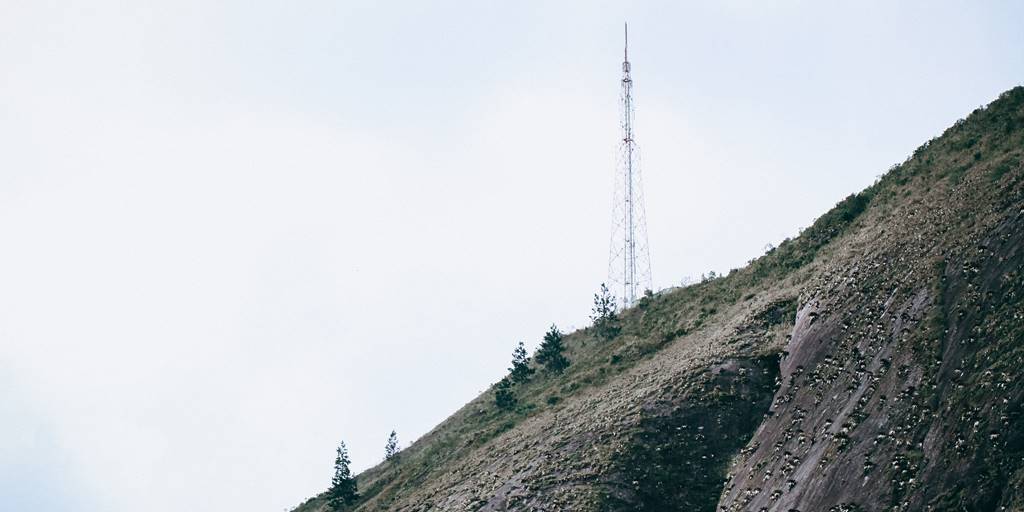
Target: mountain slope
<point>872,363</point>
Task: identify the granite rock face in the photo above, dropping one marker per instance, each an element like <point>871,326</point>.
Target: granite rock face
<point>902,383</point>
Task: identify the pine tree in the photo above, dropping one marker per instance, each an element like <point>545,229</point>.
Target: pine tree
<point>606,322</point>
<point>520,370</point>
<point>391,449</point>
<point>550,352</point>
<point>503,396</point>
<point>343,491</point>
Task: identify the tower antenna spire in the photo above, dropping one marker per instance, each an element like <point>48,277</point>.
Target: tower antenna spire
<point>629,261</point>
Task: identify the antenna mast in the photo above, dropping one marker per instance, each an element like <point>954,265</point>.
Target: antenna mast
<point>629,261</point>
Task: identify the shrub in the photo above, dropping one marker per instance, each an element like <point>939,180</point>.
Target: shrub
<point>503,396</point>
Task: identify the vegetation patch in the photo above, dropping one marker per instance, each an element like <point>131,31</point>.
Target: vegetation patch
<point>1007,165</point>
<point>792,254</point>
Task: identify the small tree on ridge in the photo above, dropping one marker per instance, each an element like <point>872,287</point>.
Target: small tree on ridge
<point>550,352</point>
<point>520,370</point>
<point>391,449</point>
<point>343,491</point>
<point>606,322</point>
<point>503,396</point>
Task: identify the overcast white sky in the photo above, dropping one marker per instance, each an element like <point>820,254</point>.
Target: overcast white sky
<point>235,233</point>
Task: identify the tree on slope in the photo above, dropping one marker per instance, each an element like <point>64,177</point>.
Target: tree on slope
<point>504,398</point>
<point>520,370</point>
<point>550,352</point>
<point>343,490</point>
<point>606,322</point>
<point>391,449</point>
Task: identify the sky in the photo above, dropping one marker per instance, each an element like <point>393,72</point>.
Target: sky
<point>233,234</point>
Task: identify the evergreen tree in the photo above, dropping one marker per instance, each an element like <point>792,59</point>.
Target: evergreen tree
<point>391,449</point>
<point>520,370</point>
<point>343,490</point>
<point>550,352</point>
<point>503,396</point>
<point>606,322</point>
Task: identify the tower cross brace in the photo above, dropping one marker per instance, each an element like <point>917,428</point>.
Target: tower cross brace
<point>629,263</point>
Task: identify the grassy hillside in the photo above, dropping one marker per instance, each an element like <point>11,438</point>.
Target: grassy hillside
<point>871,363</point>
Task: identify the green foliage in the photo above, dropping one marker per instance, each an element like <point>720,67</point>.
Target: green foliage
<point>606,321</point>
<point>504,398</point>
<point>646,299</point>
<point>520,370</point>
<point>501,429</point>
<point>343,491</point>
<point>711,276</point>
<point>519,373</point>
<point>1004,167</point>
<point>550,352</point>
<point>964,143</point>
<point>391,448</point>
<point>956,174</point>
<point>795,253</point>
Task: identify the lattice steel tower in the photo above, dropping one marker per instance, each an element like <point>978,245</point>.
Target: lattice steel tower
<point>629,261</point>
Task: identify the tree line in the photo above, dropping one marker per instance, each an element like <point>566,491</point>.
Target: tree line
<point>550,356</point>
<point>605,322</point>
<point>344,490</point>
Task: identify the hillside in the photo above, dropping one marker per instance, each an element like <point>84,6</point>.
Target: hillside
<point>872,363</point>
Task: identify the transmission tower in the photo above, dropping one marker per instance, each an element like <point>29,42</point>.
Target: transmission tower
<point>629,261</point>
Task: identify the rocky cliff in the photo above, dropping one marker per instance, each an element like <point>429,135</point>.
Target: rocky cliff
<point>875,362</point>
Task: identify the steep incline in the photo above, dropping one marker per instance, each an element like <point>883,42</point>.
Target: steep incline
<point>872,363</point>
<point>902,384</point>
